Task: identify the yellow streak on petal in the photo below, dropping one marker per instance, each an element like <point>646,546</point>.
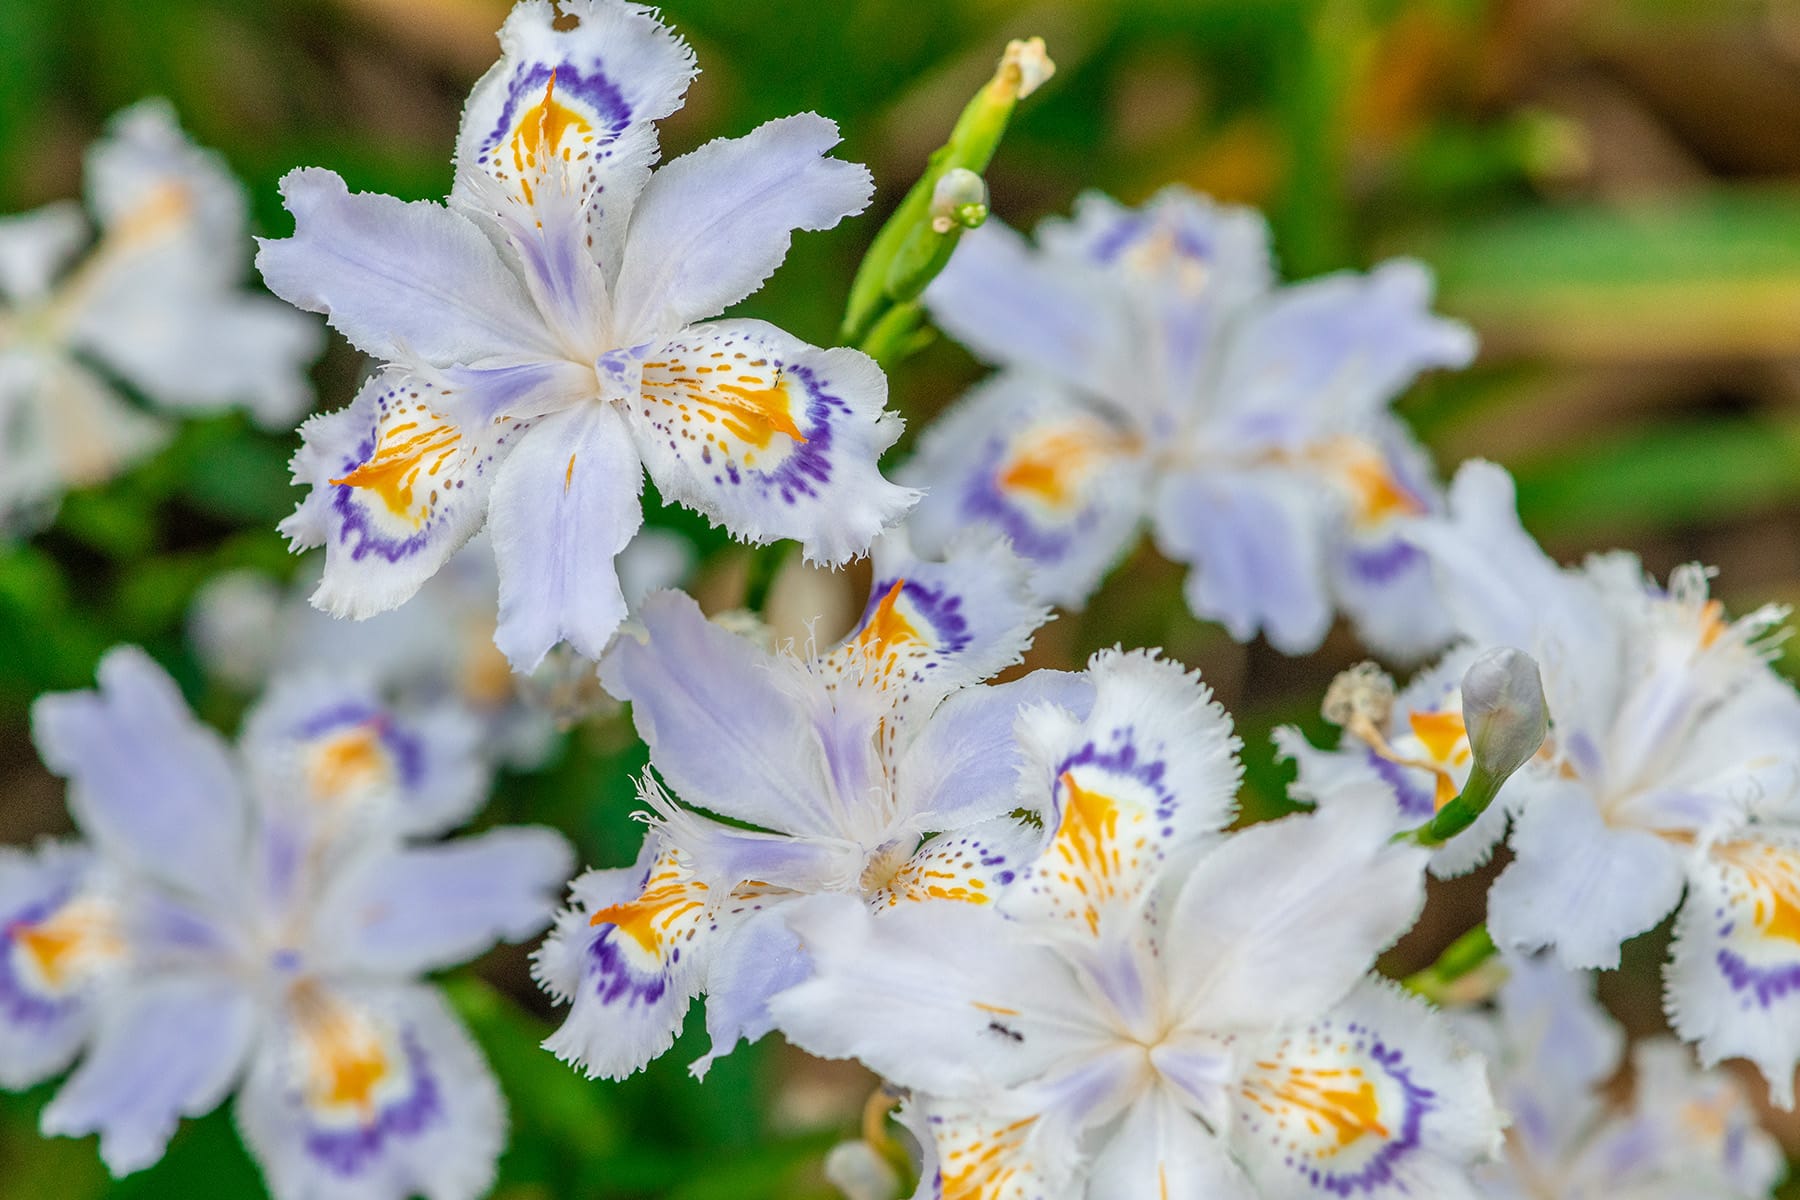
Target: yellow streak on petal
<point>757,414</point>
<point>345,1059</point>
<point>668,896</point>
<point>393,470</point>
<point>348,762</point>
<point>1350,1110</point>
<point>1774,878</point>
<point>978,1171</point>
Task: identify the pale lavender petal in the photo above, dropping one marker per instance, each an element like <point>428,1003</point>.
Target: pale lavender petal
<point>43,1023</point>
<point>711,226</point>
<point>419,909</point>
<point>964,765</point>
<point>1126,793</point>
<point>1578,884</point>
<point>630,954</point>
<point>1276,894</point>
<point>756,961</point>
<point>154,788</point>
<point>1333,352</point>
<point>770,437</point>
<point>413,283</point>
<point>331,753</point>
<point>594,83</point>
<point>1430,1114</point>
<point>400,480</point>
<point>1021,455</point>
<point>1733,979</point>
<point>564,505</point>
<point>942,997</point>
<point>1014,307</point>
<point>1254,541</point>
<point>168,1048</point>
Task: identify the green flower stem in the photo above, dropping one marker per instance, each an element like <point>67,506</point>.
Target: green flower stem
<point>915,243</point>
<point>1463,956</point>
<point>1460,812</point>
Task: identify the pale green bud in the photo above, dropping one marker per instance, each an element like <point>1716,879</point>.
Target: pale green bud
<point>959,199</point>
<point>1504,711</point>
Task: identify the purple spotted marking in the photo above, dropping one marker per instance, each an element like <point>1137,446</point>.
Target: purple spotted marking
<point>355,528</point>
<point>348,1152</point>
<point>405,749</point>
<point>592,87</point>
<point>1764,985</point>
<point>613,977</point>
<point>1378,1174</point>
<point>1123,758</point>
<point>940,606</point>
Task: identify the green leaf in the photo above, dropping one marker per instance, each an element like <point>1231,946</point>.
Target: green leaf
<point>1712,273</point>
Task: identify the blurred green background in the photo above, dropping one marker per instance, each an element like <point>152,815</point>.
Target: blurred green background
<point>1609,191</point>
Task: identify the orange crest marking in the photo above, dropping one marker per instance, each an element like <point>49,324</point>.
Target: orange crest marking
<point>1055,465</point>
<point>1341,1101</point>
<point>669,896</point>
<point>1442,734</point>
<point>1087,842</point>
<point>347,762</point>
<point>1773,886</point>
<point>887,626</point>
<point>980,1169</point>
<point>346,1061</point>
<point>71,939</point>
<point>402,451</point>
<point>757,414</point>
<point>538,137</point>
<point>1375,494</point>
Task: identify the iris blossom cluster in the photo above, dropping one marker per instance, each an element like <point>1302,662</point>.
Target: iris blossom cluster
<point>1152,371</point>
<point>1669,781</point>
<point>154,304</point>
<point>878,769</point>
<point>438,653</point>
<point>1154,1005</point>
<point>1028,900</point>
<point>259,920</point>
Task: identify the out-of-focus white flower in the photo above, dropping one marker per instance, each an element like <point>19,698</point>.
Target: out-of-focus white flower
<point>156,302</point>
<point>1682,1132</point>
<point>546,340</point>
<point>1155,1006</point>
<point>1151,371</point>
<point>438,655</point>
<point>261,921</point>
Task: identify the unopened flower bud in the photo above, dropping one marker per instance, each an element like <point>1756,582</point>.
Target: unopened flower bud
<point>1033,62</point>
<point>1504,711</point>
<point>960,198</point>
<point>1363,694</point>
<point>859,1171</point>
